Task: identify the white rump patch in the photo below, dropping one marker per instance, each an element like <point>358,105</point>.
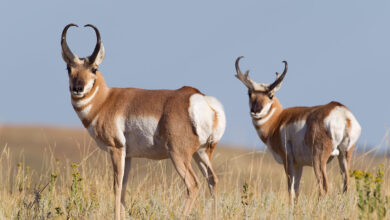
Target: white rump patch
<point>202,110</point>
<point>221,118</point>
<point>202,117</point>
<point>336,125</point>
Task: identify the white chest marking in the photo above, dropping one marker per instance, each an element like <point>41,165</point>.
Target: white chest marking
<point>262,121</point>
<point>81,103</point>
<point>84,112</point>
<point>263,112</point>
<point>120,130</point>
<point>91,127</point>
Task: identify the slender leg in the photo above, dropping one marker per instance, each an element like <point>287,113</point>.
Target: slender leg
<point>124,182</point>
<point>290,173</point>
<point>343,169</point>
<point>345,162</point>
<point>118,162</point>
<point>324,159</point>
<point>298,175</point>
<point>318,173</point>
<point>183,167</point>
<point>202,159</point>
<point>325,178</point>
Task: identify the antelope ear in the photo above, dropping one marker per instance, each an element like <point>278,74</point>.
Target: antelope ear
<point>70,60</point>
<point>275,86</point>
<point>278,86</point>
<point>100,56</point>
<point>97,56</point>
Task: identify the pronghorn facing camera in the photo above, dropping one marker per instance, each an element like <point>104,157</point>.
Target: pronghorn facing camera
<point>128,122</point>
<point>301,136</point>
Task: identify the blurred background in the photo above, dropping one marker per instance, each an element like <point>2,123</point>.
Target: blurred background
<point>337,50</point>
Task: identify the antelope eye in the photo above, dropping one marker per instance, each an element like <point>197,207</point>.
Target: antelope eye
<point>249,93</point>
<point>94,70</point>
<point>270,96</point>
<point>68,69</point>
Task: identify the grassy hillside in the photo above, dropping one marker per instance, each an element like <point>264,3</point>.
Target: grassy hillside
<point>38,181</point>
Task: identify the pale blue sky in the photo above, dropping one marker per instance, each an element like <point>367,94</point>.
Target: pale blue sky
<point>337,50</point>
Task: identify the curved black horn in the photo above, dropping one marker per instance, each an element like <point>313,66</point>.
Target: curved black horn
<point>65,49</point>
<point>279,79</point>
<point>237,66</point>
<point>92,58</point>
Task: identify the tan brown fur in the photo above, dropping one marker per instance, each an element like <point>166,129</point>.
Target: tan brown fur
<point>170,107</point>
<point>316,137</point>
<point>282,131</point>
<point>165,116</point>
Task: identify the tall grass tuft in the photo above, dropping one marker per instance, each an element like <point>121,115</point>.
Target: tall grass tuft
<point>252,186</point>
<point>371,201</point>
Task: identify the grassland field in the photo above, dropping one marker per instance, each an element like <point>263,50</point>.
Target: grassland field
<point>38,181</point>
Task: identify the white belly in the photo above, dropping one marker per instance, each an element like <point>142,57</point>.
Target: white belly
<point>293,141</point>
<point>140,135</point>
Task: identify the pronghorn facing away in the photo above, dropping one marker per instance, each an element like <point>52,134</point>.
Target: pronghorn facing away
<point>157,124</point>
<point>301,136</point>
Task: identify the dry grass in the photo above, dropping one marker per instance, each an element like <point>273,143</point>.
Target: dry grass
<point>28,189</point>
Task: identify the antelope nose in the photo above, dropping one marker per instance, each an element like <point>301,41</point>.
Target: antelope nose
<point>254,110</point>
<point>78,89</point>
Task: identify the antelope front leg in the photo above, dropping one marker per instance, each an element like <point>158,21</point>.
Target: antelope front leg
<point>124,182</point>
<point>118,162</point>
<point>298,175</point>
<point>290,173</point>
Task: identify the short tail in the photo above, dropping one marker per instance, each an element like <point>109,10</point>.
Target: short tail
<point>352,132</point>
<point>219,123</point>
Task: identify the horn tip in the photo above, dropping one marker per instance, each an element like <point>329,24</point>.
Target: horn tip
<point>72,24</point>
<point>89,25</point>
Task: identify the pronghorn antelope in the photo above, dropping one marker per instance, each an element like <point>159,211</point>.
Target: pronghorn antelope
<point>301,136</point>
<point>157,124</point>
